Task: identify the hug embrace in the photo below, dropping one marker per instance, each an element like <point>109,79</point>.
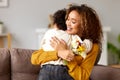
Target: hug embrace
<point>70,49</point>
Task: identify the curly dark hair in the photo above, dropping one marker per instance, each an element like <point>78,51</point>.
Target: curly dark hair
<point>89,21</point>
<point>59,19</point>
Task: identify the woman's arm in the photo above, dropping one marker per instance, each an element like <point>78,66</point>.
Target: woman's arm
<point>41,56</point>
<point>79,68</point>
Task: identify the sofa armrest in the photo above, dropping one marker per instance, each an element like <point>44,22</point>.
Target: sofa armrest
<point>101,72</point>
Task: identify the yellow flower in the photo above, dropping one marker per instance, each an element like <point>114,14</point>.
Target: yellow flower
<point>81,48</point>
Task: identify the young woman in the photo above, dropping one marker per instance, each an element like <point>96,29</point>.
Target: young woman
<point>84,22</point>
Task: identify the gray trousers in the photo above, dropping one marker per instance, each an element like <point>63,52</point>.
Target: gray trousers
<point>54,72</point>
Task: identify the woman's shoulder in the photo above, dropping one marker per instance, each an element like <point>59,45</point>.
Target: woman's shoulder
<point>95,44</point>
<point>96,47</point>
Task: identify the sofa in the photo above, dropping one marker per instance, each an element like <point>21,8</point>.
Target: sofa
<point>15,65</point>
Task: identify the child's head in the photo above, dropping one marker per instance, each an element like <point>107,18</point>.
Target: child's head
<point>59,19</point>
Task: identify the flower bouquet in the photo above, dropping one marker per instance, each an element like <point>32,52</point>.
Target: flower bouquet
<point>77,46</point>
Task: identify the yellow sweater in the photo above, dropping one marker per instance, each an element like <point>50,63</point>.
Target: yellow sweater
<point>79,68</point>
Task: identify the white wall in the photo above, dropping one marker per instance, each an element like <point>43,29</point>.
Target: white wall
<point>23,17</point>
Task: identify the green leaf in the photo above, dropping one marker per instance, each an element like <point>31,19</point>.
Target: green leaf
<point>119,38</point>
<point>65,62</point>
<point>112,48</point>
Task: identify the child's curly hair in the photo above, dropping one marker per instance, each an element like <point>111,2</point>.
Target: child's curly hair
<point>59,19</point>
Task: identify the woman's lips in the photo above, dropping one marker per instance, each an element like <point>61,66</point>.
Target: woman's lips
<point>69,29</point>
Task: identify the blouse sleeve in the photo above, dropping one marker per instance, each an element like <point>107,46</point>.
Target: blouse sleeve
<point>41,56</point>
<point>88,45</point>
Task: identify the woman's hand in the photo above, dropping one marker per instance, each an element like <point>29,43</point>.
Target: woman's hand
<point>66,55</point>
<point>63,50</point>
<point>58,44</point>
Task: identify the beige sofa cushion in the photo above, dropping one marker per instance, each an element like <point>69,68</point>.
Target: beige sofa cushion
<point>21,67</point>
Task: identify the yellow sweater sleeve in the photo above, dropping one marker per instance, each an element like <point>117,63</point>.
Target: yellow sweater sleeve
<point>41,56</point>
<point>79,68</point>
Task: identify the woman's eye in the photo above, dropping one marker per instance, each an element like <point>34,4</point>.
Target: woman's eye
<point>73,22</point>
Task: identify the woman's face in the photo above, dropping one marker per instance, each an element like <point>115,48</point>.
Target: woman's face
<point>73,23</point>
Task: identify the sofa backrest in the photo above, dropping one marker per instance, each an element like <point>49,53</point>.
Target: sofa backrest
<point>21,67</point>
<point>5,64</point>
